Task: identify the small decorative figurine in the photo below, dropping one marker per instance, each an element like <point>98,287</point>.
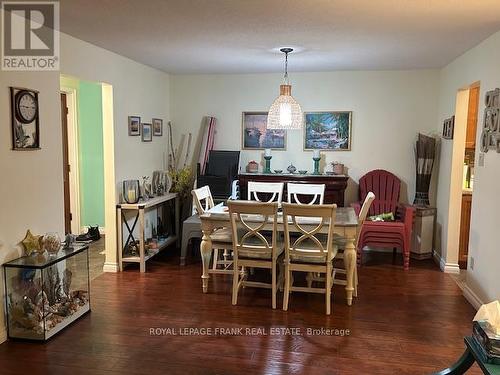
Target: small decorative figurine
<point>291,169</point>
<point>146,188</point>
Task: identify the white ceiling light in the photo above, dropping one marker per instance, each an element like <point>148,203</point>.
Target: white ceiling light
<point>285,112</point>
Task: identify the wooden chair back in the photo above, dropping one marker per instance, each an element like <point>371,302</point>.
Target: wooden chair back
<point>248,239</point>
<point>312,244</point>
<point>363,213</point>
<point>203,200</point>
<point>317,191</point>
<point>385,186</point>
<point>273,189</point>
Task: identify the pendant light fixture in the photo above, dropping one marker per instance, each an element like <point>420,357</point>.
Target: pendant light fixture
<point>285,112</point>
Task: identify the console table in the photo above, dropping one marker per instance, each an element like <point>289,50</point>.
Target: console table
<point>139,209</point>
<point>334,189</point>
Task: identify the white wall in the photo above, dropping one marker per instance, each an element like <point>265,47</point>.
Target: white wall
<point>32,181</point>
<point>478,64</point>
<point>31,188</point>
<point>389,109</point>
<point>137,90</point>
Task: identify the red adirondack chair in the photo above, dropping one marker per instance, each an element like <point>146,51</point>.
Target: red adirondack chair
<point>383,234</point>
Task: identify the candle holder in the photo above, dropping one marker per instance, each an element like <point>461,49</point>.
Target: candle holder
<point>267,168</point>
<point>316,165</point>
<point>131,191</point>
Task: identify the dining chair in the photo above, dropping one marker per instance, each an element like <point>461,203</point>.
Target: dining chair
<point>221,237</point>
<point>273,189</point>
<point>340,242</point>
<point>252,246</point>
<point>313,251</point>
<point>317,191</point>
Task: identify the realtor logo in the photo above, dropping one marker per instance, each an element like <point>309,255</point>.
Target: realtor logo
<point>30,38</point>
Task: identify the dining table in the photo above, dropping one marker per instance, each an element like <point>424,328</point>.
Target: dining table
<point>346,225</point>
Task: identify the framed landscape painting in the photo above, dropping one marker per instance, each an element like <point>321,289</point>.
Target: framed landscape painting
<point>256,135</point>
<point>329,131</point>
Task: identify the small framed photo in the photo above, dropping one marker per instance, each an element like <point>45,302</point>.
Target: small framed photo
<point>134,125</point>
<point>448,127</point>
<point>147,134</point>
<point>157,127</point>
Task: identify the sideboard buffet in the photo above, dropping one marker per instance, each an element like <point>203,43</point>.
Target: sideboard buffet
<point>335,185</point>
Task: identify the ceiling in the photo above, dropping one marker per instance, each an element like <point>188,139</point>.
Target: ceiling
<point>244,36</point>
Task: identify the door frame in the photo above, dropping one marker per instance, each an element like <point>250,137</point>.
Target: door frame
<point>73,157</point>
<point>456,179</point>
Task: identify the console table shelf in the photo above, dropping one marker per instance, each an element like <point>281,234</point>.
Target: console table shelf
<point>140,209</point>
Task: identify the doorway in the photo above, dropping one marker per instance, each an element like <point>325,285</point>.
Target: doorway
<point>70,160</point>
<point>468,175</point>
<point>462,178</point>
<point>87,127</point>
<point>66,167</point>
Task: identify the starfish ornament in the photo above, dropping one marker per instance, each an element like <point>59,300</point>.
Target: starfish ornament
<point>31,242</point>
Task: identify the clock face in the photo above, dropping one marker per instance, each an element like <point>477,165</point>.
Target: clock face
<point>26,106</point>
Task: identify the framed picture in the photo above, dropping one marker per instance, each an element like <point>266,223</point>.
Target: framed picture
<point>329,131</point>
<point>24,119</point>
<point>256,135</point>
<point>147,134</point>
<point>157,127</point>
<point>134,125</point>
<point>448,127</point>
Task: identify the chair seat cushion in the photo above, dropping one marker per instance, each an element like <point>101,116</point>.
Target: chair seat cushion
<point>223,235</point>
<point>263,254</point>
<point>309,253</point>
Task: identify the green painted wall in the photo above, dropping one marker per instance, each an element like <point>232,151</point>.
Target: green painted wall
<point>91,153</point>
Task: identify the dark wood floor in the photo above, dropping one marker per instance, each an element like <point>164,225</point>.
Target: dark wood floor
<point>402,323</point>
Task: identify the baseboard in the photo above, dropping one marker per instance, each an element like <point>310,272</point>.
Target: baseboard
<point>110,267</point>
<point>472,297</point>
<point>446,267</point>
<point>449,267</point>
<point>3,334</point>
<point>85,228</point>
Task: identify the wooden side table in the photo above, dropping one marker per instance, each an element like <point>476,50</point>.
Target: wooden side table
<point>139,209</point>
<point>422,242</point>
<point>472,354</point>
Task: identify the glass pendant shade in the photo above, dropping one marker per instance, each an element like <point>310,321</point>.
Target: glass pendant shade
<point>285,112</point>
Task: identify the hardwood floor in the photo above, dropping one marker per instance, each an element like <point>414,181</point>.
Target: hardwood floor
<point>402,323</point>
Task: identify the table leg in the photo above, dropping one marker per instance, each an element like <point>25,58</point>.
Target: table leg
<point>142,250</point>
<point>119,234</point>
<point>206,253</point>
<point>350,263</point>
<point>178,220</point>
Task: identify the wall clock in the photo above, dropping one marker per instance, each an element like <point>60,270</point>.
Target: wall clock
<point>25,119</point>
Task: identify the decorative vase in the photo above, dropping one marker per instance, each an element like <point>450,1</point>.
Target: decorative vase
<point>425,152</point>
<point>52,243</point>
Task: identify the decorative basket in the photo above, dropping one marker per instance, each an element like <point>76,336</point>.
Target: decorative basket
<point>252,167</point>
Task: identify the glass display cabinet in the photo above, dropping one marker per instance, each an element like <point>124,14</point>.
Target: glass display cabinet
<point>45,293</point>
